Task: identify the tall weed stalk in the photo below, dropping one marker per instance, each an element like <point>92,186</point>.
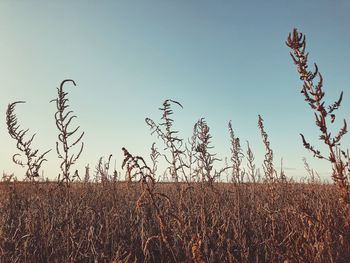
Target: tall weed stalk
<point>325,116</point>
<point>64,145</point>
<point>32,160</point>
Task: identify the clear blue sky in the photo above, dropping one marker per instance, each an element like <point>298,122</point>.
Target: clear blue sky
<point>223,60</point>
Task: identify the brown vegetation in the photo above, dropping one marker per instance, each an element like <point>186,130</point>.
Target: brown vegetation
<point>193,218</point>
<point>125,223</point>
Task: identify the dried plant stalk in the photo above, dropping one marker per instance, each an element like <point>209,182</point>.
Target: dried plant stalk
<point>269,170</point>
<point>33,160</point>
<point>63,118</point>
<point>313,93</point>
<point>205,159</point>
<point>172,142</point>
<point>236,156</point>
<point>252,171</point>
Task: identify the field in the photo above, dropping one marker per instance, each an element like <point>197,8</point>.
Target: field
<point>257,222</point>
<point>191,216</point>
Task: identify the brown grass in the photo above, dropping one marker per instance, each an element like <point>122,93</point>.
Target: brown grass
<point>193,218</point>
<point>224,223</point>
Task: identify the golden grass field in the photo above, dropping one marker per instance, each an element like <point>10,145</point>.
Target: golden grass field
<point>194,217</point>
<point>257,222</point>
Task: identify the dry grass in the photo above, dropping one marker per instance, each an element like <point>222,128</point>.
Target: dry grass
<point>252,218</point>
<point>223,223</point>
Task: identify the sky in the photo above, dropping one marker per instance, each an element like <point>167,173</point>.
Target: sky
<point>222,60</point>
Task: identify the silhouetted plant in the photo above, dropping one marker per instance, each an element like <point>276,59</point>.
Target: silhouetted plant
<point>102,170</point>
<point>137,169</point>
<point>33,160</point>
<point>172,143</point>
<point>205,159</point>
<point>269,170</point>
<point>314,176</point>
<point>236,156</point>
<point>63,118</point>
<point>313,93</point>
<point>154,158</point>
<point>252,172</point>
<point>190,153</point>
